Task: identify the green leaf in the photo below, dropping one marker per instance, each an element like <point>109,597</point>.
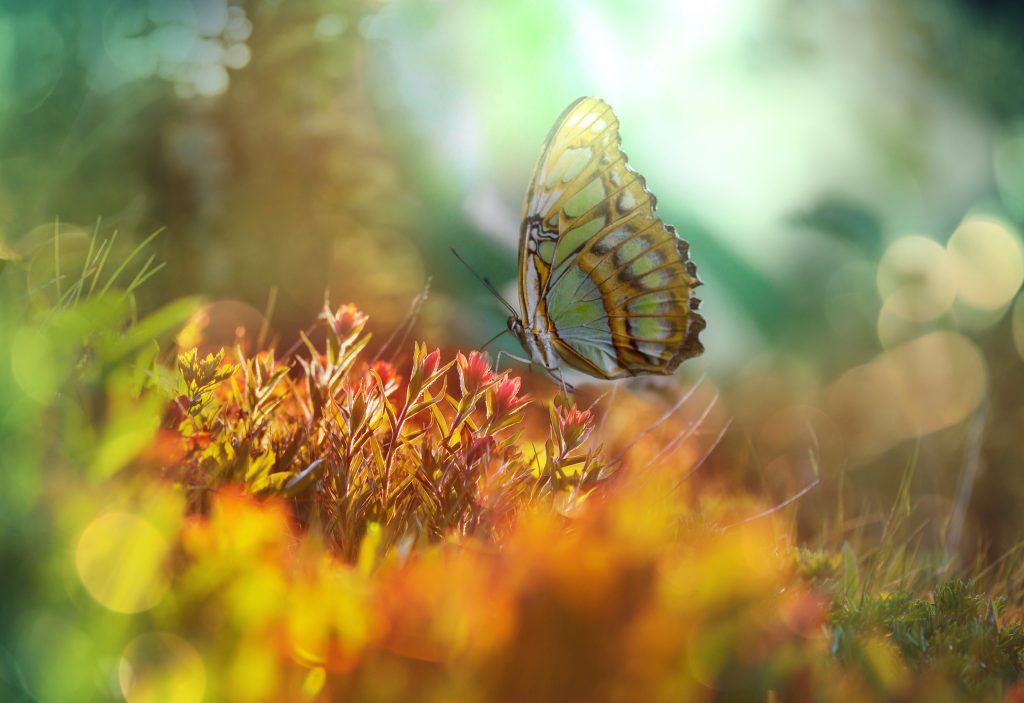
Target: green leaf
<point>128,259</point>
<point>851,574</point>
<point>271,483</point>
<point>158,325</point>
<point>258,470</point>
<point>131,425</point>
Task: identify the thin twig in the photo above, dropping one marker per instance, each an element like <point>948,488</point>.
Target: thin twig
<point>765,513</point>
<point>671,447</point>
<point>668,414</point>
<point>972,459</point>
<point>407,324</point>
<point>268,312</point>
<point>710,450</point>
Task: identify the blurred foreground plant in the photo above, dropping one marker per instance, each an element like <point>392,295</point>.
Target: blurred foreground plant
<point>473,565</point>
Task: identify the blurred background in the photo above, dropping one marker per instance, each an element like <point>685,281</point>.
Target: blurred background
<point>850,176</point>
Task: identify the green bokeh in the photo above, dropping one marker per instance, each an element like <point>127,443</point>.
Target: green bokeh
<point>786,140</point>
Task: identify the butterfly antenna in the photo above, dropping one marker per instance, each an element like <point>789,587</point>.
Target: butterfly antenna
<point>487,284</point>
<point>488,342</point>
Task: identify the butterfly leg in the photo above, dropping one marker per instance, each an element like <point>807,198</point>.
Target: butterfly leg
<point>557,375</point>
<point>501,353</point>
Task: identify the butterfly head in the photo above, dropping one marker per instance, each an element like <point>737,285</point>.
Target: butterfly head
<point>515,326</point>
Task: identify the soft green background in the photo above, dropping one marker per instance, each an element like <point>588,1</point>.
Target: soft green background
<point>344,145</point>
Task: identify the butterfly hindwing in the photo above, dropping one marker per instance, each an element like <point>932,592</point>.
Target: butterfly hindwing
<point>599,271</point>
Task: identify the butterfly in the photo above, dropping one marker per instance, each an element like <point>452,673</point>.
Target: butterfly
<point>604,284</point>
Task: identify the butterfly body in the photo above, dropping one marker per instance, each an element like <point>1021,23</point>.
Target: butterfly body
<point>604,285</point>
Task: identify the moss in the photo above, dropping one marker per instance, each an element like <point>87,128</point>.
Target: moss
<point>957,631</point>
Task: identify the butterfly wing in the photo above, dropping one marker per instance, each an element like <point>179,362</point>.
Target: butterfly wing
<point>599,271</point>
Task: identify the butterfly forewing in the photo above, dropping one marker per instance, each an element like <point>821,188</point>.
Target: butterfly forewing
<point>598,270</point>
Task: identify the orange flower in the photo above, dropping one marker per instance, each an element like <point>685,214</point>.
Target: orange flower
<point>348,320</point>
<point>474,372</point>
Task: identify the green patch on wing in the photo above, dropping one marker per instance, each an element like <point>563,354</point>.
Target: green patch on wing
<point>656,303</point>
<point>575,238</point>
<point>546,250</point>
<point>589,196</point>
<point>648,327</point>
<point>574,294</point>
<point>645,264</point>
<point>632,248</point>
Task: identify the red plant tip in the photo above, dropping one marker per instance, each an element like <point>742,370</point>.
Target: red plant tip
<point>430,362</point>
<point>506,396</point>
<point>481,447</point>
<point>474,372</point>
<point>347,321</point>
<point>574,424</point>
<point>388,375</point>
<point>176,412</point>
<point>365,387</point>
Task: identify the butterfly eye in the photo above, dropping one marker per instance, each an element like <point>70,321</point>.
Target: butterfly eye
<point>515,325</point>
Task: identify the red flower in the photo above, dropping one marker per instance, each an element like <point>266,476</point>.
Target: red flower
<point>388,375</point>
<point>574,424</point>
<point>424,366</point>
<point>474,372</point>
<point>506,398</point>
<point>430,362</point>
